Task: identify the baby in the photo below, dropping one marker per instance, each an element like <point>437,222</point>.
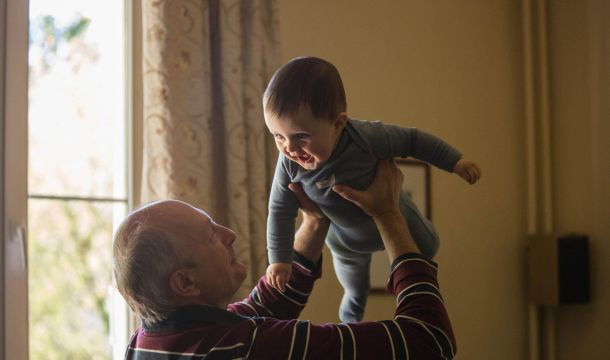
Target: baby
<point>320,146</point>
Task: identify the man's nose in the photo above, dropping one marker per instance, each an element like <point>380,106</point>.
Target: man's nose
<point>229,237</point>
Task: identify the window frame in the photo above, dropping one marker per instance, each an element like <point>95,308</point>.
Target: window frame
<point>14,21</point>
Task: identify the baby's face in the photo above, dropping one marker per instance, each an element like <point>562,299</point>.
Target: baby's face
<point>305,139</point>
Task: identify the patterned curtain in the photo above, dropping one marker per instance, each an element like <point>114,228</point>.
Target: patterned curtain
<point>205,66</point>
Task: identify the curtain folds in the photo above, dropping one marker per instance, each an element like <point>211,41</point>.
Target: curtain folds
<point>205,66</point>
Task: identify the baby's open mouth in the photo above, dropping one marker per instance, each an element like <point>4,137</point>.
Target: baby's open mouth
<point>305,158</point>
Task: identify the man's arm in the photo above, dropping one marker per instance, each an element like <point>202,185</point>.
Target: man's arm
<point>421,326</point>
<point>264,300</point>
<point>420,329</point>
<point>309,239</point>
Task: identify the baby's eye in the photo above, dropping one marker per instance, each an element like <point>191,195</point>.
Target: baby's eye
<point>278,137</point>
<point>302,136</point>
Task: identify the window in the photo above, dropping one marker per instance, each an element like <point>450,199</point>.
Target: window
<point>77,177</point>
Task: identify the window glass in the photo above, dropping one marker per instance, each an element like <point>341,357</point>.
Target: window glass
<point>76,98</point>
<point>77,178</point>
<point>70,281</point>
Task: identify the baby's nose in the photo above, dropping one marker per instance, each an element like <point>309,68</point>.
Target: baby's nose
<point>291,148</point>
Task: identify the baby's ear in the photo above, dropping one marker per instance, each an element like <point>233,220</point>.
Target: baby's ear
<point>340,120</point>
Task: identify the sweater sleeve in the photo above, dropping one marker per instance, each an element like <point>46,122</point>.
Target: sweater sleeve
<point>266,301</point>
<point>420,329</point>
<point>387,141</point>
<point>283,208</point>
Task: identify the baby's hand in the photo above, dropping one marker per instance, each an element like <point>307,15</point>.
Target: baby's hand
<point>468,171</point>
<point>278,275</point>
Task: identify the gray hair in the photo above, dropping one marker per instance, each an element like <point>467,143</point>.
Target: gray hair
<point>144,257</point>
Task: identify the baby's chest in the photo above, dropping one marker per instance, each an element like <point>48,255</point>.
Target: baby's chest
<point>357,175</point>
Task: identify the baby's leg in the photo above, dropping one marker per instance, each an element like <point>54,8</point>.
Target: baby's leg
<point>352,270</point>
<point>422,230</point>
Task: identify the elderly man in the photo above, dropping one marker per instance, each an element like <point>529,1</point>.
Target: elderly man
<point>177,270</point>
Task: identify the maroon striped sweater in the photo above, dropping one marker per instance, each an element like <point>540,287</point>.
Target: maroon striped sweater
<point>264,325</point>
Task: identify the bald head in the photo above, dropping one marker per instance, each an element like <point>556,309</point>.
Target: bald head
<point>168,254</point>
<point>145,254</point>
<point>166,213</point>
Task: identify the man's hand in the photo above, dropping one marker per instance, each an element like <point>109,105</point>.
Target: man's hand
<point>278,275</point>
<point>380,201</point>
<point>467,170</point>
<point>308,208</point>
<point>382,195</point>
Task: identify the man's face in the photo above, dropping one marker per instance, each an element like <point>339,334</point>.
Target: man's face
<point>305,139</point>
<point>206,249</point>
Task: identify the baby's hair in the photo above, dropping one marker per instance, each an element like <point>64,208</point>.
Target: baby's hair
<point>306,81</point>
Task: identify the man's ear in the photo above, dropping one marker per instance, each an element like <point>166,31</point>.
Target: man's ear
<point>181,284</point>
<point>340,120</point>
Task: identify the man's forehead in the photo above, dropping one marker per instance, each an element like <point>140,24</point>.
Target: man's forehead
<point>173,212</point>
<point>192,218</point>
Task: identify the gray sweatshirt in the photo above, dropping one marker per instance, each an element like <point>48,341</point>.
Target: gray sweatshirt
<point>354,163</point>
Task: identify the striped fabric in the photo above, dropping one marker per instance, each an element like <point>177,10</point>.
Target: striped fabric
<point>420,329</point>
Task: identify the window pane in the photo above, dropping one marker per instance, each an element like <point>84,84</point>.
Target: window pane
<point>70,279</point>
<point>77,147</point>
<point>76,96</point>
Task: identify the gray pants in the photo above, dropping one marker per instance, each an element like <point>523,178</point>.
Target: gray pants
<point>352,258</point>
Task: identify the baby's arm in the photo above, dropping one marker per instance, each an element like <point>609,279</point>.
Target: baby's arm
<point>309,238</point>
<point>390,141</point>
<point>467,170</point>
<point>283,207</point>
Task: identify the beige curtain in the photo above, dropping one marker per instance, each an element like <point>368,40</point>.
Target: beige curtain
<point>205,65</point>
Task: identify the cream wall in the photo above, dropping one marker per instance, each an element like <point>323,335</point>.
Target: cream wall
<point>454,69</point>
<point>580,78</point>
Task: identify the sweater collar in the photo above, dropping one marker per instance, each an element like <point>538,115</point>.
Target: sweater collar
<point>187,316</point>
